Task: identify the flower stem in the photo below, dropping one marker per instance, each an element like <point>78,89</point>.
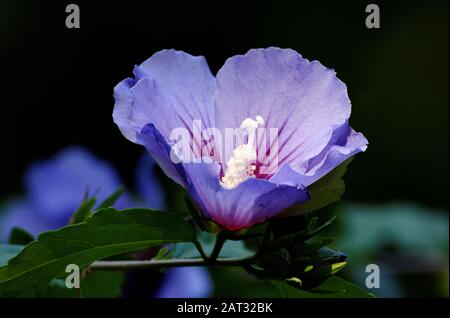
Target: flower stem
<point>220,240</point>
<point>200,250</point>
<point>146,264</point>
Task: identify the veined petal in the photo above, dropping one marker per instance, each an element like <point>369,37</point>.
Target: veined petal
<point>347,143</point>
<point>344,144</point>
<point>251,202</point>
<point>304,100</point>
<point>171,89</point>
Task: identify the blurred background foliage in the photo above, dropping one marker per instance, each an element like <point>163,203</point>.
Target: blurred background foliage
<point>56,89</point>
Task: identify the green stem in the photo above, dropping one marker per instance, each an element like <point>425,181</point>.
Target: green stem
<point>220,240</point>
<point>146,264</point>
<point>200,250</point>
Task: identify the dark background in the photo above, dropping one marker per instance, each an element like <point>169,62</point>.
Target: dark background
<point>56,83</point>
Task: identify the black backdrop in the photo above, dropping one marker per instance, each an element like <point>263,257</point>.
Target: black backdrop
<point>56,83</point>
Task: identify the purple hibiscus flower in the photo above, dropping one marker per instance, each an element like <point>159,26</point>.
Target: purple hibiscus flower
<point>272,88</point>
<point>56,187</point>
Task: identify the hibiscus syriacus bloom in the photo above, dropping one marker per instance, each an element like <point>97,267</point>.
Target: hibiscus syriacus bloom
<point>273,88</point>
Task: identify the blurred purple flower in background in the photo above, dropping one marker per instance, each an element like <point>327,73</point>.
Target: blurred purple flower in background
<point>56,187</point>
<point>185,282</point>
<point>148,186</point>
<point>272,88</point>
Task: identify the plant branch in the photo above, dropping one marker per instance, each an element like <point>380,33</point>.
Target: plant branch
<point>146,264</point>
<point>220,240</point>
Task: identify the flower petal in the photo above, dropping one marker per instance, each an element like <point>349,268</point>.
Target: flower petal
<point>159,149</point>
<point>303,99</point>
<point>251,202</point>
<point>347,143</point>
<point>171,89</point>
<point>344,143</point>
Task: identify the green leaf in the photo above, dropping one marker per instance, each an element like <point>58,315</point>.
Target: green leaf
<point>323,192</point>
<point>165,253</point>
<point>102,284</point>
<point>334,287</point>
<point>94,285</point>
<point>99,284</point>
<point>55,289</point>
<point>109,201</point>
<point>108,232</point>
<point>84,211</point>
<point>19,236</point>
